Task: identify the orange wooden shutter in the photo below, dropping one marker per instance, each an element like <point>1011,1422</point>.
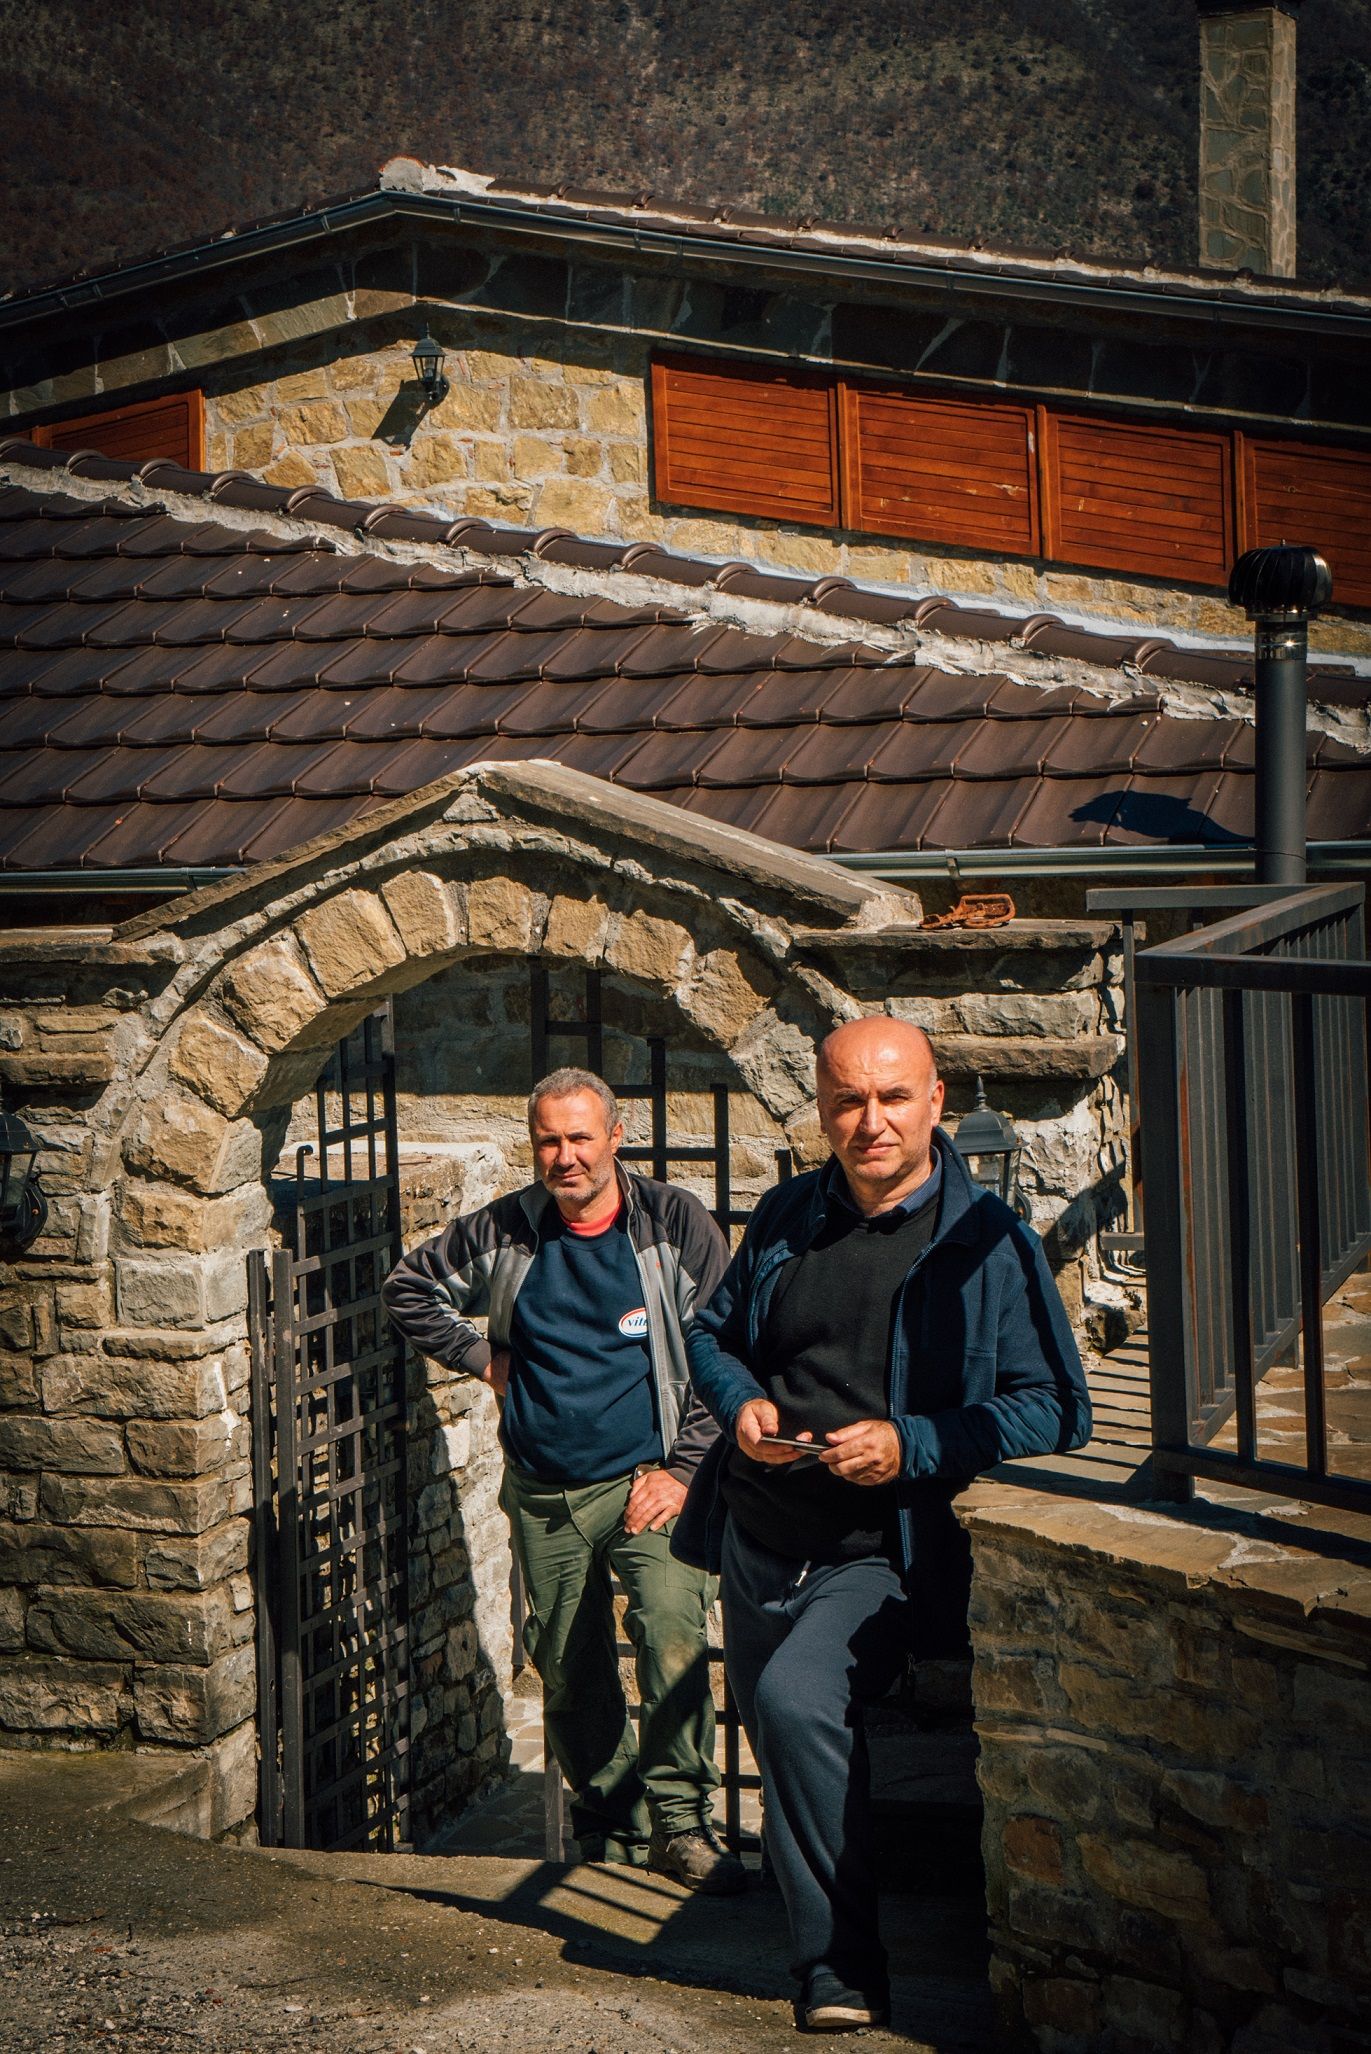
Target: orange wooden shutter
<point>1124,497</point>
<point>940,470</point>
<point>1320,497</point>
<point>739,439</point>
<point>172,427</point>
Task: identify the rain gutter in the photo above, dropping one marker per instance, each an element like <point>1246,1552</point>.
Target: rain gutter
<point>620,239</point>
<point>1179,859</point>
<point>111,883</point>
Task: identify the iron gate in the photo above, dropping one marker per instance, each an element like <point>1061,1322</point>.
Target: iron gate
<point>329,1460</point>
<point>659,1153</point>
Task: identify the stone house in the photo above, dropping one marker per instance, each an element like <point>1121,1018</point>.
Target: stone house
<point>550,691</point>
<point>203,674</point>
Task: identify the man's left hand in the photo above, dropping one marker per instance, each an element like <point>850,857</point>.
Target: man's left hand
<point>866,1452</point>
<point>655,1498</point>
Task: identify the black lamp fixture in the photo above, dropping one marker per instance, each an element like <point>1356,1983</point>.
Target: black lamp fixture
<point>23,1207</point>
<point>427,357</point>
<point>992,1149</point>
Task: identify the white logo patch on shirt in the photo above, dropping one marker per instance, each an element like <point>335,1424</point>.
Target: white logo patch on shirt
<point>633,1325</point>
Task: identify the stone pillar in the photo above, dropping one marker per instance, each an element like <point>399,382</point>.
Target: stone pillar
<point>1247,137</point>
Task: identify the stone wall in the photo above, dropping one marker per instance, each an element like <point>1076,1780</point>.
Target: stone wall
<point>1175,1728</point>
<point>1036,1011</point>
<point>160,1065</point>
<point>126,1605</point>
<point>546,425</point>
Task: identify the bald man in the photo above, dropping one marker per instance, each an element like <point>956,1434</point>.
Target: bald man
<point>898,1319</point>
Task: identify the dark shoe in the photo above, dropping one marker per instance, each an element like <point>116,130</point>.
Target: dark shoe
<point>828,2006</point>
<point>699,1859</point>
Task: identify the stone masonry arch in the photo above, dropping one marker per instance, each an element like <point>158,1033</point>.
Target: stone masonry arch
<point>209,1017</point>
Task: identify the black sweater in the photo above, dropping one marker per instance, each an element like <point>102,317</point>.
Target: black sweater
<point>826,1349</point>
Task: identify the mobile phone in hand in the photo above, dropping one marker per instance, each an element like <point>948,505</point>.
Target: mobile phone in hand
<point>780,1441</point>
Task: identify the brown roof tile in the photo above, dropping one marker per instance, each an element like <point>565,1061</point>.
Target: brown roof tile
<point>475,710</point>
<point>567,709</point>
<point>663,761</point>
<point>944,695</point>
<point>928,748</point>
<point>610,705</point>
<point>1084,748</point>
<point>1068,812</point>
<point>1341,803</point>
<point>883,816</point>
<point>175,691</point>
<point>696,702</point>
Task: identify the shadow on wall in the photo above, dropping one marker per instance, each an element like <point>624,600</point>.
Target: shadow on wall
<point>456,1613</point>
<point>459,1598</point>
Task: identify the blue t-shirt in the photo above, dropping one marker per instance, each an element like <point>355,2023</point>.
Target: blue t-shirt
<point>580,1405</point>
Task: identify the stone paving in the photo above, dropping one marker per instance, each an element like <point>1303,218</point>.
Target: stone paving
<point>1347,1391</point>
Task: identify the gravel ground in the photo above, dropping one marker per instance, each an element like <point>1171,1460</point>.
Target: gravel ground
<point>118,1935</point>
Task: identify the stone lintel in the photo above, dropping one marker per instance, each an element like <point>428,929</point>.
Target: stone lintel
<point>83,944</point>
<point>1028,1055</point>
<point>1043,937</point>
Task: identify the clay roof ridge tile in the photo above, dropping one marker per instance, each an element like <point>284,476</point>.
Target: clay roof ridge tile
<point>1036,624</point>
<point>384,521</point>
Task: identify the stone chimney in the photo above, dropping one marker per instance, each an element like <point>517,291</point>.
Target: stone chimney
<point>1247,135</point>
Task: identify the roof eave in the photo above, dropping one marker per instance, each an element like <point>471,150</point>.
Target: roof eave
<point>1197,303</point>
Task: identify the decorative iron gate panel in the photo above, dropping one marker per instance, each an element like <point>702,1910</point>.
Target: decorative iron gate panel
<point>329,1411</point>
<point>659,1154</point>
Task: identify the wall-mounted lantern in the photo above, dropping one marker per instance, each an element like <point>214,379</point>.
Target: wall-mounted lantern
<point>428,360</point>
<point>23,1207</point>
<point>992,1149</point>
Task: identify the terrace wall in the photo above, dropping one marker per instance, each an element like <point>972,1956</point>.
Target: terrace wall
<point>1175,1729</point>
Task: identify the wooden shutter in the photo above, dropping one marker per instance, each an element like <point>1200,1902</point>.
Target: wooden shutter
<point>740,439</point>
<point>1320,497</point>
<point>941,470</point>
<point>171,427</point>
<point>1154,501</point>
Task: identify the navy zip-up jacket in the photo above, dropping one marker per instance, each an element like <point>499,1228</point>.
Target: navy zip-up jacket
<point>979,1322</point>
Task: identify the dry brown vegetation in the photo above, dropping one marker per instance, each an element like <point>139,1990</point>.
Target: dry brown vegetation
<point>143,123</point>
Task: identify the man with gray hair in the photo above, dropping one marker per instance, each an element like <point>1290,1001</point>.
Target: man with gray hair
<point>590,1279</point>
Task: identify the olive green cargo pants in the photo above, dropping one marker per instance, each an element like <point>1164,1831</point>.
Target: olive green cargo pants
<point>568,1539</point>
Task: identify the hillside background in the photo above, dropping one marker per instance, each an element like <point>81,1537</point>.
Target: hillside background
<point>1061,124</point>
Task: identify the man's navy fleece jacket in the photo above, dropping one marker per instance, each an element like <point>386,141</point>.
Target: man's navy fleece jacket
<point>983,1365</point>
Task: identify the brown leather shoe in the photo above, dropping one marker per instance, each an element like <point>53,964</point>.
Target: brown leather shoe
<point>699,1859</point>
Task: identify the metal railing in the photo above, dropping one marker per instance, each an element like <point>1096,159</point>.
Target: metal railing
<point>1252,1069</point>
<point>1193,906</point>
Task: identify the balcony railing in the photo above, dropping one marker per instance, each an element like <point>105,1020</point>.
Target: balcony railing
<point>1251,1048</point>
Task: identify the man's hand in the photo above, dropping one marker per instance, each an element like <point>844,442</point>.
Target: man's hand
<point>866,1452</point>
<point>496,1372</point>
<point>758,1418</point>
<point>654,1499</point>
